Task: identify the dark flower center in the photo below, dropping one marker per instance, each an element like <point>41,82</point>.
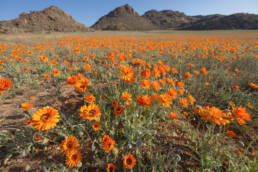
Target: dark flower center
<point>45,117</point>
<point>92,112</point>
<point>129,161</point>
<point>74,157</point>
<point>69,144</point>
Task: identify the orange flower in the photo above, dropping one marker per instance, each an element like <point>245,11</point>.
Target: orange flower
<point>181,84</point>
<point>89,98</point>
<point>172,92</point>
<point>71,80</point>
<point>114,103</point>
<point>214,114</point>
<point>239,153</point>
<point>46,76</point>
<point>170,81</point>
<point>118,110</point>
<point>45,118</point>
<point>185,113</point>
<point>127,73</point>
<point>173,115</point>
<point>43,58</point>
<point>190,64</point>
<point>183,102</point>
<point>145,83</point>
<point>145,73</point>
<point>31,98</point>
<point>253,85</point>
<point>73,158</point>
<point>82,85</point>
<point>26,61</point>
<point>204,71</point>
<point>231,133</point>
<point>108,143</point>
<point>87,66</point>
<point>111,168</point>
<point>69,144</point>
<point>155,73</point>
<point>241,115</point>
<point>155,85</point>
<point>56,72</point>
<point>96,126</point>
<point>187,75</point>
<point>196,72</point>
<point>129,161</point>
<point>165,100</point>
<point>85,59</point>
<point>181,92</point>
<point>5,84</point>
<point>235,87</point>
<point>38,138</point>
<point>174,70</point>
<point>249,105</point>
<point>144,100</point>
<point>26,106</point>
<point>155,96</point>
<point>127,97</point>
<point>53,62</point>
<point>91,112</point>
<point>191,99</point>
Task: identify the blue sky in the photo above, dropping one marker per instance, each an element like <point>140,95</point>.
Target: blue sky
<point>89,11</point>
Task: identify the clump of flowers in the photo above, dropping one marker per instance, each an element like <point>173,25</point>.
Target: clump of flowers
<point>82,85</point>
<point>241,115</point>
<point>127,97</point>
<point>165,100</point>
<point>79,82</point>
<point>73,156</point>
<point>108,143</point>
<point>90,112</point>
<point>144,100</point>
<point>214,114</point>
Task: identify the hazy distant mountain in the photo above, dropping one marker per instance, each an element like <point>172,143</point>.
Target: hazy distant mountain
<point>123,18</point>
<point>51,19</point>
<point>234,21</point>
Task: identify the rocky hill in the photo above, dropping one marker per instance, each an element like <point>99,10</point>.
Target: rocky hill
<point>216,22</point>
<point>168,19</point>
<point>123,18</point>
<point>51,19</point>
<point>126,18</point>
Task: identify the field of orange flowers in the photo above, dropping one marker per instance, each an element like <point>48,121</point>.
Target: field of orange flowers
<point>129,103</point>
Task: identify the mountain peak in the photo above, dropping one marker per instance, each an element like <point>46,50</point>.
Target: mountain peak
<point>51,19</point>
<point>52,7</point>
<point>125,10</point>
